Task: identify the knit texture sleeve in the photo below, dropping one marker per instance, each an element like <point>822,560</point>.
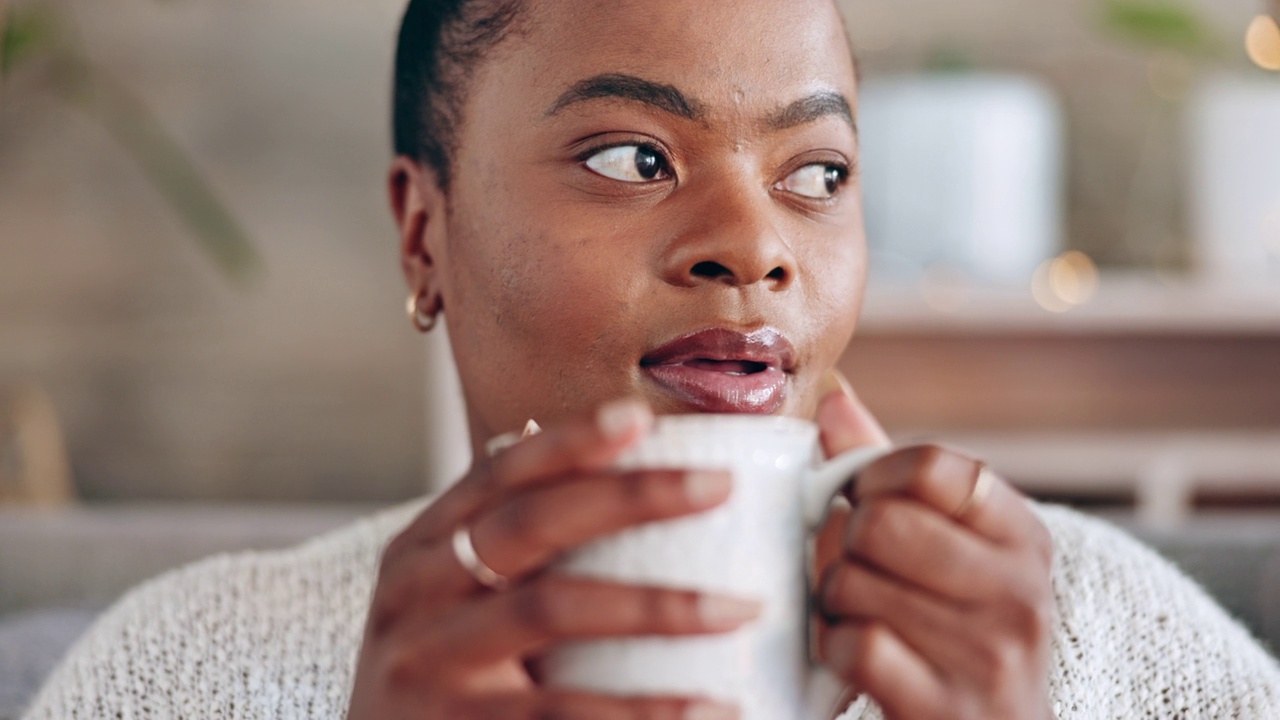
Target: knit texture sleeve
<point>1138,639</point>
<point>251,636</point>
<point>275,635</point>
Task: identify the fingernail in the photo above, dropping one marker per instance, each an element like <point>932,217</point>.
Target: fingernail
<point>833,382</point>
<point>705,489</point>
<point>531,428</point>
<point>709,710</point>
<point>722,612</point>
<point>622,418</point>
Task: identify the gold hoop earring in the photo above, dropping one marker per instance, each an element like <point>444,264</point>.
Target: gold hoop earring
<point>424,322</point>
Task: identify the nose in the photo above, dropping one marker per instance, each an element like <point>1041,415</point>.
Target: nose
<point>731,239</point>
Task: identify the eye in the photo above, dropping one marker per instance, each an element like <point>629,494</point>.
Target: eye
<point>818,181</point>
<point>629,163</point>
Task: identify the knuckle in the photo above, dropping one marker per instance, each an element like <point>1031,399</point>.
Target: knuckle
<point>831,588</point>
<point>924,463</point>
<point>645,494</point>
<point>404,670</point>
<point>1042,542</point>
<point>870,645</point>
<point>543,607</point>
<point>999,662</point>
<point>519,518</point>
<point>393,600</point>
<point>1035,620</point>
<point>1029,609</point>
<point>667,610</point>
<point>502,471</point>
<point>876,527</point>
<point>842,591</point>
<point>394,550</point>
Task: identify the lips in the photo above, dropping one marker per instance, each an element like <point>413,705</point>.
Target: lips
<point>725,371</point>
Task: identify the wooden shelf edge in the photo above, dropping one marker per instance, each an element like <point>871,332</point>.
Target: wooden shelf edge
<point>1125,302</point>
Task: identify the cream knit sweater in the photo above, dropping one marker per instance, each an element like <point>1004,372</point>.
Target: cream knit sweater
<point>275,635</point>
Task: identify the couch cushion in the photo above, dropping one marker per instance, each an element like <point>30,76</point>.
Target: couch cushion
<point>31,643</point>
<point>1239,564</point>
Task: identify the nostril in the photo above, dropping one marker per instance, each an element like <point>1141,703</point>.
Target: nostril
<point>711,270</point>
<point>777,274</point>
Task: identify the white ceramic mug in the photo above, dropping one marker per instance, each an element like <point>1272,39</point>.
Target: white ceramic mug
<point>755,546</point>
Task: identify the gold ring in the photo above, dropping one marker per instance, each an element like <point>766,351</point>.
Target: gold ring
<point>981,489</point>
<point>465,551</point>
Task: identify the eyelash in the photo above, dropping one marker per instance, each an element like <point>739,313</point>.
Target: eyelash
<point>846,170</point>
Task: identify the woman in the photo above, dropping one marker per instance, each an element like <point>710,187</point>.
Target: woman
<point>626,208</point>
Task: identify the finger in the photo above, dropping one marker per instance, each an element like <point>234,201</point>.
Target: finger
<point>985,651</point>
<point>582,706</point>
<point>945,480</point>
<point>877,661</point>
<point>555,609</point>
<point>830,540</point>
<point>828,549</point>
<point>938,633</point>
<point>535,526</point>
<point>844,422</point>
<point>580,445</point>
<point>909,540</point>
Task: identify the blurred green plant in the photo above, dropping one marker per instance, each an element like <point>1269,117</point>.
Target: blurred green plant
<point>1169,25</point>
<point>38,34</point>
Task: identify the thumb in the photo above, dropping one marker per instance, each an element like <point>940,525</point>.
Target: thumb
<point>843,421</point>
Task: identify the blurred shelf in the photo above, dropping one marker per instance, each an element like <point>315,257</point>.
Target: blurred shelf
<point>1125,303</point>
<point>1244,460</point>
<point>1164,474</point>
<point>86,555</point>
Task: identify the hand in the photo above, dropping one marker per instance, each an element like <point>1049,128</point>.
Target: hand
<point>933,615</point>
<point>438,645</point>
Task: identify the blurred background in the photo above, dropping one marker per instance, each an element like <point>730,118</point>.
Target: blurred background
<point>1074,211</point>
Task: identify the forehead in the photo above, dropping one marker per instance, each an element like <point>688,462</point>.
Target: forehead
<point>725,53</point>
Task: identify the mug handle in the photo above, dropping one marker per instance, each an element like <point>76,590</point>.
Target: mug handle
<point>823,483</point>
<point>824,692</point>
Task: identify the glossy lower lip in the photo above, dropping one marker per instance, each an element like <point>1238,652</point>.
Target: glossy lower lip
<point>709,391</point>
<point>721,370</point>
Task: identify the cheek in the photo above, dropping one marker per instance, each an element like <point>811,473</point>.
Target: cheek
<point>551,288</point>
<point>836,281</point>
<point>543,311</point>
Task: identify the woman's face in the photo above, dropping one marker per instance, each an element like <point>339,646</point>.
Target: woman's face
<point>655,200</point>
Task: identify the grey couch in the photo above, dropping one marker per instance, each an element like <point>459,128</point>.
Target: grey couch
<point>58,570</point>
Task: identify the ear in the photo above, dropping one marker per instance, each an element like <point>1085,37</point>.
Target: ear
<point>418,204</point>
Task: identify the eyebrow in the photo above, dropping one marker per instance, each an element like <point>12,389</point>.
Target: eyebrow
<point>812,108</point>
<point>668,98</point>
<point>629,87</point>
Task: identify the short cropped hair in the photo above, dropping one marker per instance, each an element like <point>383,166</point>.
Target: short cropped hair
<point>441,44</point>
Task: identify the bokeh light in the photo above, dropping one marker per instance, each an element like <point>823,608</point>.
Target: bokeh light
<point>1065,282</point>
<point>1262,42</point>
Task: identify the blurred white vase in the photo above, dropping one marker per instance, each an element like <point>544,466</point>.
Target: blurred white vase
<point>963,171</point>
<point>1235,146</point>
